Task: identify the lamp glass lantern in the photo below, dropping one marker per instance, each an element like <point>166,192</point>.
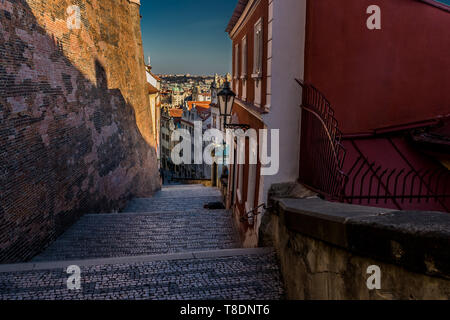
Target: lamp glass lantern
<point>226,100</point>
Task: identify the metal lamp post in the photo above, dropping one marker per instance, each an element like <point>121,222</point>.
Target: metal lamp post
<point>225,100</point>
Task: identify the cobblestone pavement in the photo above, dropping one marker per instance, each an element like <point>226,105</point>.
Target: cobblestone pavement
<point>169,204</point>
<point>131,234</point>
<point>169,222</point>
<point>233,278</point>
<point>173,221</point>
<point>180,191</point>
<point>176,198</point>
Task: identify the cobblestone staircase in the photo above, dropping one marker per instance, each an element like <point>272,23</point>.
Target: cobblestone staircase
<point>165,247</point>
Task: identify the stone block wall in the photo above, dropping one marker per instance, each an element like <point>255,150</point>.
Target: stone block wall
<point>325,250</point>
<point>75,121</point>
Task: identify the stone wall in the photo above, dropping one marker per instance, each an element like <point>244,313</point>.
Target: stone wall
<point>326,248</point>
<point>75,123</point>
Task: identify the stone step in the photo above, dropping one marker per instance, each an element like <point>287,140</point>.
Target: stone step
<point>169,204</point>
<point>164,247</point>
<point>130,234</point>
<point>183,186</point>
<point>187,193</point>
<point>226,274</point>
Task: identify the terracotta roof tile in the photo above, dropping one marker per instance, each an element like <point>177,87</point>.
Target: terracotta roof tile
<point>151,89</point>
<point>155,76</point>
<point>199,104</point>
<point>176,113</point>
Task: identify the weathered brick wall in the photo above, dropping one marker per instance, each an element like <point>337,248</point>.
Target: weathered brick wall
<point>75,124</point>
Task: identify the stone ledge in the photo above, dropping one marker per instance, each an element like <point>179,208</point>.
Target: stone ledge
<point>418,241</point>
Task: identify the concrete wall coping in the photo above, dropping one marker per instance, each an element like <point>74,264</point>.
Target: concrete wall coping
<point>418,241</point>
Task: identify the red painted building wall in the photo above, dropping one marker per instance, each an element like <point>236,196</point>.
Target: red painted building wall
<point>249,115</point>
<point>379,78</point>
<point>247,29</point>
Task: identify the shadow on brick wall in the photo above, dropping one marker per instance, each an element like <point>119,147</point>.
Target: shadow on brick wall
<point>68,146</point>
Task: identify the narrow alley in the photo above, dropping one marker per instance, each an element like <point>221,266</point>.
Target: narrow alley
<point>165,247</point>
<point>238,151</point>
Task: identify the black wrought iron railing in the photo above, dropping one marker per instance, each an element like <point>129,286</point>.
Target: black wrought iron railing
<point>322,154</point>
<point>371,183</point>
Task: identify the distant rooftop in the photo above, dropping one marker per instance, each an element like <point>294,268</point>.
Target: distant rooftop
<point>199,104</point>
<point>176,113</point>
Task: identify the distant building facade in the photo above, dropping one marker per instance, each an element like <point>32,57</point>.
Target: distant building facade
<point>154,92</point>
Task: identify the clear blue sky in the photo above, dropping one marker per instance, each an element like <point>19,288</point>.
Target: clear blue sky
<point>187,36</point>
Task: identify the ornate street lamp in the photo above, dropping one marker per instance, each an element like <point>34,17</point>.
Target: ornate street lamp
<point>226,101</point>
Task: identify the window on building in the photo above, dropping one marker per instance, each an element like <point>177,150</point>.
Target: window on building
<point>244,57</point>
<point>240,148</point>
<point>240,188</point>
<point>236,61</point>
<point>258,48</point>
<point>251,186</point>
